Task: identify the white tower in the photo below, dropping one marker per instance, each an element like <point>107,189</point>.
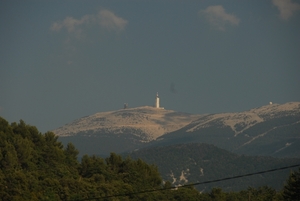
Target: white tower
<point>157,101</point>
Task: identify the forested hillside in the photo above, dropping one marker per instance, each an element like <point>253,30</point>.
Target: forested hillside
<point>35,166</point>
<point>197,162</point>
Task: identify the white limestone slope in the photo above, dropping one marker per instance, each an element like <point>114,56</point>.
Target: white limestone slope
<point>147,121</point>
<point>248,118</point>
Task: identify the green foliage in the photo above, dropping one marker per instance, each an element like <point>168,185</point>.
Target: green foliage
<point>35,166</point>
<point>204,162</point>
<point>291,190</point>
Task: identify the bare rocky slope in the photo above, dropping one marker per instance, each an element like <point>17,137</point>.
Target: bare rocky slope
<point>122,130</point>
<point>145,122</point>
<point>272,130</point>
<point>268,130</point>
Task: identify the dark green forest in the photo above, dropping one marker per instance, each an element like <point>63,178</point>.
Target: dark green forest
<point>199,162</point>
<point>36,166</point>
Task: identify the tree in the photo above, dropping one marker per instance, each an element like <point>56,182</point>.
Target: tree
<point>291,190</point>
<point>92,165</point>
<point>71,154</point>
<point>217,194</point>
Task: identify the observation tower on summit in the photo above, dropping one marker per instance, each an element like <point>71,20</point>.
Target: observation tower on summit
<point>157,101</point>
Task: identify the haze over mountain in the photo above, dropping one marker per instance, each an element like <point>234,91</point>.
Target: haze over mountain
<point>269,130</point>
<point>62,60</point>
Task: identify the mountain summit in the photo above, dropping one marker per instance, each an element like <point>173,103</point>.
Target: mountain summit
<point>268,130</point>
<point>124,129</point>
<point>146,122</point>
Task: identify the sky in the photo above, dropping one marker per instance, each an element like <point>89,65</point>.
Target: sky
<point>62,60</point>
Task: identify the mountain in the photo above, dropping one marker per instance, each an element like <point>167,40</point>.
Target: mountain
<point>272,130</point>
<point>268,130</point>
<point>194,162</point>
<point>122,130</point>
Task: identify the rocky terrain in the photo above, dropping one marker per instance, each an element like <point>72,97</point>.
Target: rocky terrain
<point>144,121</point>
<point>122,130</point>
<point>268,130</point>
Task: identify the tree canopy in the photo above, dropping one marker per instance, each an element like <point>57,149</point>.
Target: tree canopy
<point>36,166</point>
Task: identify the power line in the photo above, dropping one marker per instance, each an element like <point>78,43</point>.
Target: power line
<point>187,185</point>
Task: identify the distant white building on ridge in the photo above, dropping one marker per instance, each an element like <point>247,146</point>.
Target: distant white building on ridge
<point>156,105</point>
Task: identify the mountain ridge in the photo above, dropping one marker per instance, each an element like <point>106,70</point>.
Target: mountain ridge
<point>253,115</point>
<point>268,130</point>
<point>151,121</point>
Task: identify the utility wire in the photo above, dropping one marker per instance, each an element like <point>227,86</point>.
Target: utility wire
<point>193,184</point>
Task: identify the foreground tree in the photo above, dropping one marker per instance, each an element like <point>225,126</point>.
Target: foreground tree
<point>35,166</point>
<point>291,189</point>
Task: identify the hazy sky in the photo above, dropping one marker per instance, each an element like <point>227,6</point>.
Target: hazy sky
<point>62,60</point>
